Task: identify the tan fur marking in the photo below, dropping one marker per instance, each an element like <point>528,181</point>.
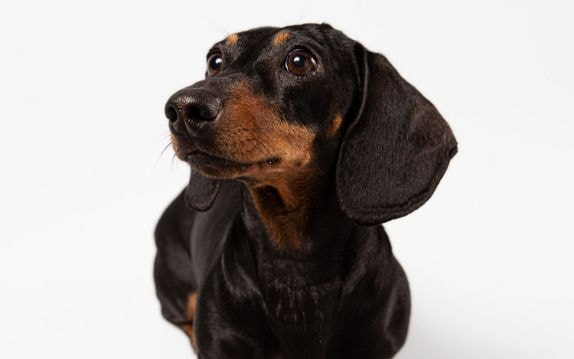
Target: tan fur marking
<point>251,130</point>
<point>281,37</point>
<point>231,39</point>
<point>335,125</point>
<point>284,216</point>
<point>188,328</point>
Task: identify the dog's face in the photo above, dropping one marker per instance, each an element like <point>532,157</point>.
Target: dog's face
<point>273,101</point>
<point>306,99</point>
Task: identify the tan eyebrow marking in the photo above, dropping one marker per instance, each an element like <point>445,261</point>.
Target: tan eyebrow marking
<point>281,37</point>
<point>231,39</point>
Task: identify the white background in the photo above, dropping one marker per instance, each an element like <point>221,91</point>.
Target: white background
<point>83,178</point>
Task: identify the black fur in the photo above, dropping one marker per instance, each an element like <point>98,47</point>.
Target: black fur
<point>344,295</point>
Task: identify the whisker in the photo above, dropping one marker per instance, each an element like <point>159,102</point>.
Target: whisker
<point>165,148</point>
<point>162,153</point>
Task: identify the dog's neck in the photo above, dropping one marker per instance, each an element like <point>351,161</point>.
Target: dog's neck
<point>283,205</point>
<point>296,216</point>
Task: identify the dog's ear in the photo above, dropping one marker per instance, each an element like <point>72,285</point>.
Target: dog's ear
<point>201,191</point>
<point>396,149</point>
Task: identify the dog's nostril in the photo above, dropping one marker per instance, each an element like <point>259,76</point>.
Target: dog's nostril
<point>193,112</point>
<point>199,113</point>
<point>171,113</point>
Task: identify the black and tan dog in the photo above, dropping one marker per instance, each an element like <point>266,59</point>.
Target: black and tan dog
<point>301,143</point>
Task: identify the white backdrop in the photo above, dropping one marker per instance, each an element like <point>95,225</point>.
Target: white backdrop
<point>83,178</point>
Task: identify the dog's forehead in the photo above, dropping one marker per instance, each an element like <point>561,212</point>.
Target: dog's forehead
<point>251,36</point>
<point>263,37</point>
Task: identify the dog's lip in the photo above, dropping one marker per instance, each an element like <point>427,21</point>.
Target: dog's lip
<point>202,158</point>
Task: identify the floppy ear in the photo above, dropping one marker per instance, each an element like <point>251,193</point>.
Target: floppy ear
<point>201,191</point>
<point>395,151</point>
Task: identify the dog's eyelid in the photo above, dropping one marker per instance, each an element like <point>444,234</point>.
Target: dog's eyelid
<point>305,48</point>
<point>214,51</point>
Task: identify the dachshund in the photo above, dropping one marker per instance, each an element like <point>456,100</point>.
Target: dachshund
<point>301,143</point>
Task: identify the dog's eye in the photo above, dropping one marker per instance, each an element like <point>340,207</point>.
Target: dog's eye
<point>300,62</point>
<point>214,64</point>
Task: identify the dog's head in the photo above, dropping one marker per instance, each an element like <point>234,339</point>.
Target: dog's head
<point>277,102</point>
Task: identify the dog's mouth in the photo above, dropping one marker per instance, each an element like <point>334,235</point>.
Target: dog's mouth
<point>216,165</point>
<point>204,159</point>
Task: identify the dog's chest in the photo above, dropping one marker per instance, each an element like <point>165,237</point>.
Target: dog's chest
<point>301,313</point>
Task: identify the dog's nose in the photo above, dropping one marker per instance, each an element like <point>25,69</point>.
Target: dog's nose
<point>192,108</point>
